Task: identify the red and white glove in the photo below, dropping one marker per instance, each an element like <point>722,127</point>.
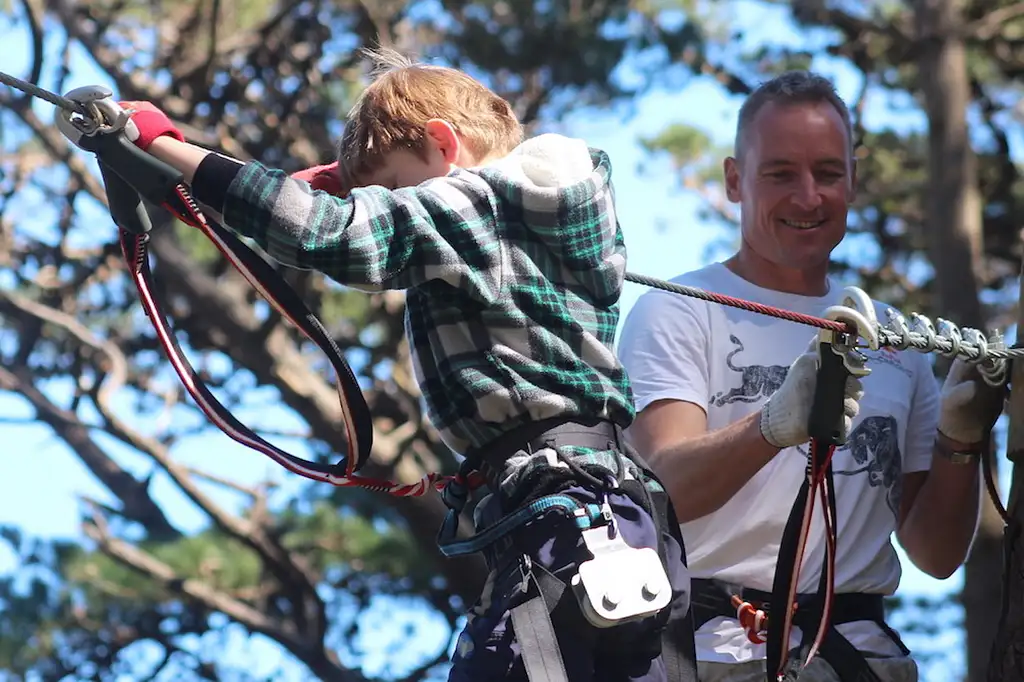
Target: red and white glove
<point>146,123</point>
<point>323,177</point>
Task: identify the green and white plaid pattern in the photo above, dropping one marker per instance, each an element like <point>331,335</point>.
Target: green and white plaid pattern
<point>512,292</point>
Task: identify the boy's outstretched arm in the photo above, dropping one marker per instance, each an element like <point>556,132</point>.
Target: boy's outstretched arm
<point>375,238</point>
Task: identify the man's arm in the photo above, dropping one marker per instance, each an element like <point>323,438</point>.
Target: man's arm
<point>700,470</point>
<point>665,346</point>
<point>375,238</point>
<point>941,508</point>
<point>939,512</point>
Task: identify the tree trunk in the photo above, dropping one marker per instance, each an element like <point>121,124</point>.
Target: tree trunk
<point>954,239</point>
<point>1007,664</point>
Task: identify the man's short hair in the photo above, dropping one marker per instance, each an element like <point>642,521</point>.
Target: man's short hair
<point>791,87</point>
<point>403,95</point>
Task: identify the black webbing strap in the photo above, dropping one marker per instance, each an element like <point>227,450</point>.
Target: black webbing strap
<point>678,647</point>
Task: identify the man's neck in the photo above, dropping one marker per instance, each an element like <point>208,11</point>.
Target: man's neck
<point>757,271</point>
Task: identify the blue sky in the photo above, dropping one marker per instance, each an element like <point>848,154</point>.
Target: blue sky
<point>40,480</point>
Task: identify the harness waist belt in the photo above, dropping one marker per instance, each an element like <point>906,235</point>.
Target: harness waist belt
<point>712,598</point>
<point>598,434</point>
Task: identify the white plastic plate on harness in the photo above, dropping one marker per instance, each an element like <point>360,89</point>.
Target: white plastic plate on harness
<point>621,583</point>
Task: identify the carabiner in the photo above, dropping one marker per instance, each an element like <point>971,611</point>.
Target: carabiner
<point>104,114</point>
<point>857,310</point>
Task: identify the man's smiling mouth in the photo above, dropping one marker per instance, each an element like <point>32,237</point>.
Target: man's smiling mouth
<point>803,224</point>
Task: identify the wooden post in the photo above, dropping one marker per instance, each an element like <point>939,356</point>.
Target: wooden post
<point>1007,661</point>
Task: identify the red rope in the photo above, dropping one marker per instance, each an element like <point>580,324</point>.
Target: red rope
<point>760,308</point>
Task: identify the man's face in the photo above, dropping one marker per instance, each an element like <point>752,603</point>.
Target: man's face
<point>794,182</point>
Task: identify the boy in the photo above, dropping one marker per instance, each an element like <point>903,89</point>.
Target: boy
<point>513,263</point>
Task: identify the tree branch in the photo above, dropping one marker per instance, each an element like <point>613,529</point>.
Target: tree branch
<point>36,30</point>
<point>96,529</point>
<point>133,494</point>
<point>992,23</point>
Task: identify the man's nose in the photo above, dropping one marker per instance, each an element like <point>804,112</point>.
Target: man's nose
<point>807,195</point>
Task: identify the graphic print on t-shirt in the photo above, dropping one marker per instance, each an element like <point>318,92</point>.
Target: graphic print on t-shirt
<point>875,445</point>
<point>756,381</point>
<point>873,442</point>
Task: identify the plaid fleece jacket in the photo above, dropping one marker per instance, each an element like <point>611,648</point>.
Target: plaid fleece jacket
<point>512,286</point>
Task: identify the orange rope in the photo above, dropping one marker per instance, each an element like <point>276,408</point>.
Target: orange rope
<point>753,620</point>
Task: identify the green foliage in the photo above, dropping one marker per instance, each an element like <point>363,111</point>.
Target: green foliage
<point>693,153</point>
<point>329,539</point>
<point>344,304</point>
<point>200,249</point>
<point>220,562</point>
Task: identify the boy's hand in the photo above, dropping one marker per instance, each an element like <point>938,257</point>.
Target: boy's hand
<point>324,177</point>
<point>150,123</point>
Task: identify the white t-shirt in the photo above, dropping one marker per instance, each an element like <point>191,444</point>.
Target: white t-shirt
<point>728,361</point>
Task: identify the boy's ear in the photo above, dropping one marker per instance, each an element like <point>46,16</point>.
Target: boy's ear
<point>444,138</point>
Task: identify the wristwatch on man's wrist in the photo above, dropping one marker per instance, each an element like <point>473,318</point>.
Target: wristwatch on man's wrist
<point>956,453</point>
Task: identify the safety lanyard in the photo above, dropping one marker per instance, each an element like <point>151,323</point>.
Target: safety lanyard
<point>824,428</point>
<point>129,174</point>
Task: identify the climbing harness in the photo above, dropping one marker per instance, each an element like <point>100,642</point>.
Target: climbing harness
<point>617,584</point>
<point>620,584</point>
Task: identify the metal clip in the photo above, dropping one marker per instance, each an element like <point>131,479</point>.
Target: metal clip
<point>950,332</point>
<point>993,371</point>
<point>898,325</point>
<point>104,114</point>
<point>621,583</point>
<point>921,325</point>
<point>856,309</point>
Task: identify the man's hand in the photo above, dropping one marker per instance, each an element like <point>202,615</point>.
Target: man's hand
<point>149,124</point>
<point>969,406</point>
<point>786,415</point>
<point>324,177</point>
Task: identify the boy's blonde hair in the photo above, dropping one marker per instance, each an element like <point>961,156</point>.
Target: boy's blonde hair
<point>402,96</point>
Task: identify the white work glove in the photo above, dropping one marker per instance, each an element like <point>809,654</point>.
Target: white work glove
<point>786,415</point>
<point>969,407</point>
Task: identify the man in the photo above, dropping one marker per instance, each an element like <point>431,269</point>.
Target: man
<point>724,397</point>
